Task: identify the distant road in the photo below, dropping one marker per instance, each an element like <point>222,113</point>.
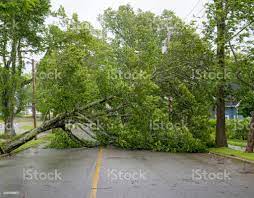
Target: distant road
<point>113,173</point>
<point>21,125</point>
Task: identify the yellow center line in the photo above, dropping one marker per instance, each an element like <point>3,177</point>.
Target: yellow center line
<point>96,175</point>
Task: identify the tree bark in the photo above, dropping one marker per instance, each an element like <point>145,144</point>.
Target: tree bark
<point>221,139</point>
<point>250,142</point>
<point>72,136</point>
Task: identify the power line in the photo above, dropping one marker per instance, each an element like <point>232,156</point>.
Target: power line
<point>198,2</point>
<point>197,15</point>
<point>240,30</point>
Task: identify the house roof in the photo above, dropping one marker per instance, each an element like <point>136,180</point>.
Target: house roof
<point>232,104</point>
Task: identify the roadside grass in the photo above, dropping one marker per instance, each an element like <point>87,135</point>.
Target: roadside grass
<point>34,143</point>
<point>4,136</point>
<point>52,140</point>
<point>27,127</point>
<point>235,142</point>
<point>231,152</point>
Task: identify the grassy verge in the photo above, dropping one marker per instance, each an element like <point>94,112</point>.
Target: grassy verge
<point>4,136</point>
<point>31,144</point>
<point>9,138</point>
<point>27,128</point>
<point>234,153</point>
<point>57,140</point>
<point>241,143</point>
<point>34,143</point>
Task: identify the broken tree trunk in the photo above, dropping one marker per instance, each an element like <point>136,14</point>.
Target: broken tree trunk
<point>250,143</point>
<point>57,122</point>
<point>73,137</point>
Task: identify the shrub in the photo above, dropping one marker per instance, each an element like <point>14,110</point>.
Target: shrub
<point>178,140</point>
<point>62,141</point>
<point>200,128</point>
<point>132,139</point>
<point>238,129</point>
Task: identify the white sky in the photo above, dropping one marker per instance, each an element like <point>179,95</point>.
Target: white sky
<point>90,9</point>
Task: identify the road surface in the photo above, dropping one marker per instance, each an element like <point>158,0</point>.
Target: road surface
<point>114,173</point>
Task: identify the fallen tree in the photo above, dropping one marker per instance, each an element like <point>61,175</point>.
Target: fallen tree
<point>59,121</point>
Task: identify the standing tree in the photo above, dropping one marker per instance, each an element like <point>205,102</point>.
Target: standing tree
<point>226,17</point>
<point>245,78</point>
<point>21,30</point>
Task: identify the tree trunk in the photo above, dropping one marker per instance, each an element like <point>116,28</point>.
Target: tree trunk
<point>9,127</point>
<point>221,139</point>
<point>1,151</point>
<point>72,136</point>
<point>58,121</point>
<point>250,142</point>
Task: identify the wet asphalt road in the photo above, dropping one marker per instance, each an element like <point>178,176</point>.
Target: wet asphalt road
<point>122,174</point>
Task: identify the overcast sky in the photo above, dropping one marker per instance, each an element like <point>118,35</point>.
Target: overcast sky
<point>90,9</point>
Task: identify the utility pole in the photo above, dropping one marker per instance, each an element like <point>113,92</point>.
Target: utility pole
<point>33,100</point>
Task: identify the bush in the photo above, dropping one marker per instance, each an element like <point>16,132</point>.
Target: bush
<point>200,129</point>
<point>132,139</point>
<point>238,129</point>
<point>178,140</point>
<point>62,141</point>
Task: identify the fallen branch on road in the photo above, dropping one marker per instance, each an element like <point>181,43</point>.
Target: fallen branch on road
<point>57,122</point>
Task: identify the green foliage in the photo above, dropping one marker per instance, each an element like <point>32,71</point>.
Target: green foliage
<point>237,142</point>
<point>230,28</point>
<point>169,73</point>
<point>127,61</point>
<point>68,72</point>
<point>245,79</point>
<point>5,136</point>
<point>21,33</point>
<point>62,141</point>
<point>175,140</point>
<point>150,85</point>
<point>231,152</point>
<point>238,129</point>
